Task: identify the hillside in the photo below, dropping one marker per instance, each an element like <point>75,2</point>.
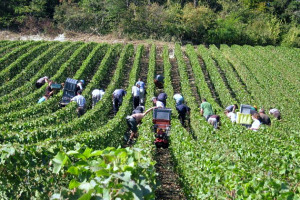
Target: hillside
<point>230,162</point>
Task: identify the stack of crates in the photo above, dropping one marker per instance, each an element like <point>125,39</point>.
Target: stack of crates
<point>244,116</point>
<point>69,91</point>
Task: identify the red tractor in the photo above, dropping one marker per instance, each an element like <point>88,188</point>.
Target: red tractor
<point>162,125</point>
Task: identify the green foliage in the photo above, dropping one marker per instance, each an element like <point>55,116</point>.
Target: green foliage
<point>66,70</point>
<point>196,21</point>
<point>229,163</point>
<point>15,12</point>
<point>14,68</point>
<point>227,31</point>
<point>9,58</point>
<point>48,69</point>
<point>292,38</point>
<point>264,29</point>
<point>110,173</point>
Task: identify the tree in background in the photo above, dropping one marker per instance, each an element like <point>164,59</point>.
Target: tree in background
<point>252,22</point>
<point>196,22</point>
<point>14,13</point>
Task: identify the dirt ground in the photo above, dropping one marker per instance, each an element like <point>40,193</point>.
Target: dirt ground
<point>73,36</point>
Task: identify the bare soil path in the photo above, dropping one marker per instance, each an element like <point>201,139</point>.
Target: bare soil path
<point>125,80</point>
<point>209,82</point>
<point>170,187</point>
<point>192,79</point>
<point>168,178</point>
<point>223,76</point>
<point>73,36</point>
<point>143,75</point>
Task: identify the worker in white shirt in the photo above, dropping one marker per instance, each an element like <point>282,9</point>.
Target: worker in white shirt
<point>97,96</point>
<point>256,123</point>
<point>136,95</point>
<point>80,100</point>
<point>142,91</point>
<point>231,115</point>
<point>158,103</point>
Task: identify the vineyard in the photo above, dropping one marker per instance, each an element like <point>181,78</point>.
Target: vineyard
<point>46,150</point>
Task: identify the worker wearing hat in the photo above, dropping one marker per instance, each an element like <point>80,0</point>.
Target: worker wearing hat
<point>79,85</point>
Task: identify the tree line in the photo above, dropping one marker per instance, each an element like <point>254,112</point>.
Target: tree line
<point>253,22</point>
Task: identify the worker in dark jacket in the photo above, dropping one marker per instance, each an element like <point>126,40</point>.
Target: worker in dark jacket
<point>163,98</point>
<point>183,110</point>
<point>49,91</point>
<point>117,96</point>
<point>263,118</point>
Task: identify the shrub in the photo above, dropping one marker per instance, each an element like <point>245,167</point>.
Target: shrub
<point>227,31</point>
<point>196,21</point>
<point>292,38</point>
<point>263,29</point>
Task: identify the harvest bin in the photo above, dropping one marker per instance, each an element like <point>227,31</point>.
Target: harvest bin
<point>69,91</point>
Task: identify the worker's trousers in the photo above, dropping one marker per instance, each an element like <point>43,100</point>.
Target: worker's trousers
<point>117,102</point>
<point>142,96</point>
<point>136,102</point>
<point>95,99</point>
<point>214,122</point>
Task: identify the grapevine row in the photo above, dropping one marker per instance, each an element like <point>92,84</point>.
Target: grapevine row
<point>66,70</point>
<point>30,69</point>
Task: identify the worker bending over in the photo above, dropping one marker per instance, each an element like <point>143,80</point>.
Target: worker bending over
<point>206,109</point>
<point>79,86</point>
<point>163,98</point>
<point>232,108</point>
<point>39,83</point>
<point>183,110</point>
<point>215,121</point>
<point>231,115</point>
<point>275,112</point>
<point>97,96</point>
<point>117,96</point>
<point>135,95</point>
<point>159,81</point>
<point>133,121</point>
<point>178,99</point>
<point>157,103</point>
<point>263,118</point>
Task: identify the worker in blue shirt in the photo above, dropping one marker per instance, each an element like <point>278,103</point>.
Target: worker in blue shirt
<point>80,100</point>
<point>178,99</point>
